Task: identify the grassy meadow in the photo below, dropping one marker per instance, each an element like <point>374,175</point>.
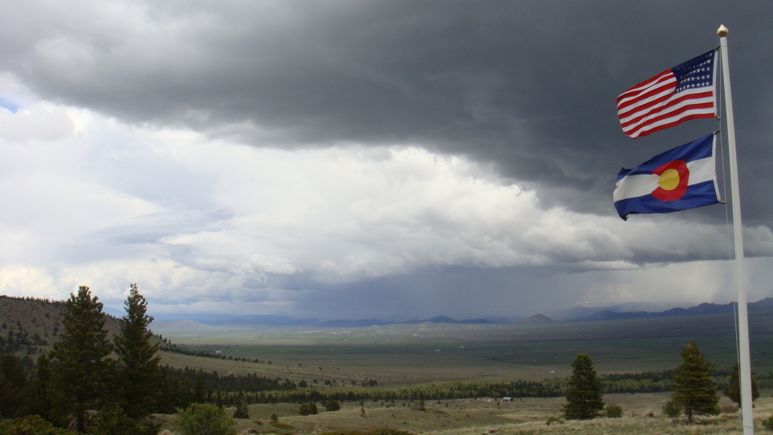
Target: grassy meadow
<point>434,355</point>
<point>426,353</point>
<point>390,367</point>
<point>522,416</point>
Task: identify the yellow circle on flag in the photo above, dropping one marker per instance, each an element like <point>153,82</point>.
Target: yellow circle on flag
<point>669,179</point>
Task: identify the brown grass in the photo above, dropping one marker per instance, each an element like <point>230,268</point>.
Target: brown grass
<point>468,417</point>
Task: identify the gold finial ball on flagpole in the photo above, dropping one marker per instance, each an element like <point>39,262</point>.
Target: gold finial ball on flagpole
<point>722,31</point>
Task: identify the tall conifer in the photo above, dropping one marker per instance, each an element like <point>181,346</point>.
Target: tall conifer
<point>693,389</point>
<point>81,367</point>
<point>583,393</point>
<point>137,357</point>
<point>733,390</point>
<point>40,386</point>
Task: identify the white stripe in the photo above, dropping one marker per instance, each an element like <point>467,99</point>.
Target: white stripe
<point>634,186</point>
<point>648,82</point>
<point>669,76</point>
<point>633,107</point>
<point>686,113</point>
<point>626,114</point>
<point>667,84</point>
<point>659,110</point>
<point>701,170</point>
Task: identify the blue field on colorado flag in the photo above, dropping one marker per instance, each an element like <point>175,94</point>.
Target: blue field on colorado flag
<point>678,179</point>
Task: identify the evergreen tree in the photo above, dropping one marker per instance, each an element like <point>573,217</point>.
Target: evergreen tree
<point>583,394</point>
<point>138,371</point>
<point>13,381</point>
<point>40,389</point>
<point>733,390</point>
<point>81,366</point>
<point>242,410</point>
<point>693,389</point>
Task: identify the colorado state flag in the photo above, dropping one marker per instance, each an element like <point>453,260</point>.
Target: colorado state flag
<point>681,178</point>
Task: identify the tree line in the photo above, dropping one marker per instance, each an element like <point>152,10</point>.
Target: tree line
<point>121,378</point>
<point>80,374</point>
<point>693,389</point>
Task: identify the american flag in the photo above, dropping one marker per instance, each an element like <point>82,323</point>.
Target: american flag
<point>686,91</point>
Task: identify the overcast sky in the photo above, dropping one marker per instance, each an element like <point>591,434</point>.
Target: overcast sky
<point>351,159</point>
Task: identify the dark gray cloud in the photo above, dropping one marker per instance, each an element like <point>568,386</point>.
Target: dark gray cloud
<point>529,85</point>
<point>526,89</point>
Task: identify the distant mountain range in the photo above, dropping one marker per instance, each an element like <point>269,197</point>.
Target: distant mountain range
<point>273,320</point>
<point>577,314</point>
<point>698,310</point>
<point>13,310</point>
<point>538,319</point>
<point>379,322</point>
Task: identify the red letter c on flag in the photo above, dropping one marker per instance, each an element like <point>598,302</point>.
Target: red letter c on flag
<point>673,180</point>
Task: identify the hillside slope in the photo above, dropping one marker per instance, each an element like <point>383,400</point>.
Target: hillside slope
<point>30,326</point>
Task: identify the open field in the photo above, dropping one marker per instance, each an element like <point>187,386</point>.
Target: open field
<point>407,361</point>
<point>425,353</point>
<point>522,416</point>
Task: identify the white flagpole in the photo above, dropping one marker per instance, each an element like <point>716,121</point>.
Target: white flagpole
<point>743,321</point>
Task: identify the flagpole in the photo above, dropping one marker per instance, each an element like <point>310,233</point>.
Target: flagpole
<point>743,321</point>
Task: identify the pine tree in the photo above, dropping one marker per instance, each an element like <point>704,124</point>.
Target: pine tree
<point>13,381</point>
<point>137,358</point>
<point>583,394</point>
<point>242,410</point>
<point>733,390</point>
<point>693,389</point>
<point>81,367</point>
<point>40,389</point>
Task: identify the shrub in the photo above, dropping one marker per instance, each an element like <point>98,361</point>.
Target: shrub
<point>112,420</point>
<point>672,409</point>
<point>382,431</point>
<point>768,423</point>
<point>274,418</point>
<point>332,405</point>
<point>728,408</point>
<point>308,408</point>
<point>31,424</point>
<point>614,411</point>
<point>204,418</point>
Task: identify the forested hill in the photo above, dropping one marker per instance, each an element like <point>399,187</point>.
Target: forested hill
<point>30,325</point>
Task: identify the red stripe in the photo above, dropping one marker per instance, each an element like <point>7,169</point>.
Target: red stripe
<point>649,93</point>
<point>671,115</point>
<point>677,98</point>
<point>648,104</point>
<point>671,124</point>
<point>668,106</point>
<point>642,84</point>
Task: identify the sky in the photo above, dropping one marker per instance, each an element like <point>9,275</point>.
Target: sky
<point>356,159</point>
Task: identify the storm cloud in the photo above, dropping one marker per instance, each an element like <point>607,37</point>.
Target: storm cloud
<point>264,149</point>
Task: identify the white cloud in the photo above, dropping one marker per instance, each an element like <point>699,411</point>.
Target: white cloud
<point>203,223</point>
<point>680,284</point>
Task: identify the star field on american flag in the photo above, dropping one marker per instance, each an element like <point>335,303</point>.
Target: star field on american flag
<point>695,73</point>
